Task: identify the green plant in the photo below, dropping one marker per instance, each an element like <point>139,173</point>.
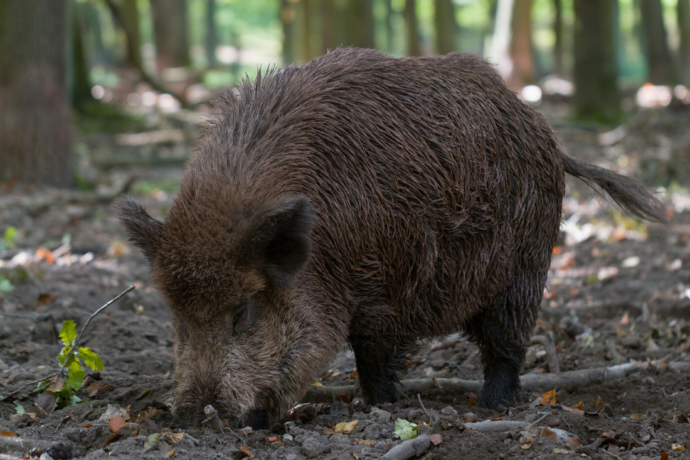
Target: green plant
<point>7,241</point>
<point>74,360</point>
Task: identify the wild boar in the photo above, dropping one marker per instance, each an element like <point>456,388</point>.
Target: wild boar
<point>359,199</point>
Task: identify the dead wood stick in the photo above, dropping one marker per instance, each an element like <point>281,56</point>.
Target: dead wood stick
<point>16,445</point>
<point>568,381</point>
<point>409,449</point>
<point>487,426</point>
<point>547,341</point>
<point>615,356</point>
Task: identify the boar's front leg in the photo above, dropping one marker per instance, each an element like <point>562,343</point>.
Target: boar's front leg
<point>501,331</point>
<point>377,362</point>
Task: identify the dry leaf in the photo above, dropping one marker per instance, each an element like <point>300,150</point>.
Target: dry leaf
<point>579,405</point>
<point>625,319</point>
<point>548,398</point>
<point>549,434</point>
<point>317,384</point>
<point>88,425</point>
<point>436,439</point>
<point>574,442</point>
<point>558,450</point>
<point>113,437</point>
<point>473,400</point>
<point>92,390</point>
<point>664,455</point>
<point>366,442</point>
<point>116,423</point>
<point>246,451</point>
<point>173,438</point>
<point>470,417</point>
<point>637,416</point>
<point>609,434</point>
<point>45,254</point>
<point>9,434</point>
<point>354,374</point>
<point>346,427</point>
<point>574,410</point>
<point>525,446</point>
<point>276,439</point>
<point>170,453</point>
<point>677,447</point>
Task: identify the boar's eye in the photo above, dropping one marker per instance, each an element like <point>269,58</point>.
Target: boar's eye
<point>240,316</point>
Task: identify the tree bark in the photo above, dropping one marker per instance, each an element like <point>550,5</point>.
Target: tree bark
<point>130,14</point>
<point>597,96</point>
<point>211,39</point>
<point>35,125</point>
<point>445,26</point>
<point>287,20</point>
<point>411,28</point>
<point>360,22</point>
<point>81,83</point>
<point>659,59</point>
<point>683,16</point>
<point>306,53</point>
<point>170,33</point>
<point>390,44</point>
<point>521,45</point>
<point>558,35</point>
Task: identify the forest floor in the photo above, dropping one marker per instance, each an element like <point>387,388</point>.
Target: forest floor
<point>618,290</point>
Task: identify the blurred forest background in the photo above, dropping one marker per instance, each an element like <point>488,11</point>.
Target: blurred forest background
<point>72,69</point>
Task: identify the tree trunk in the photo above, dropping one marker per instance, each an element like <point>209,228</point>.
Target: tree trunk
<point>596,75</point>
<point>683,16</point>
<point>328,26</point>
<point>170,33</point>
<point>445,26</point>
<point>659,60</point>
<point>81,83</point>
<point>211,39</point>
<point>360,22</point>
<point>130,14</point>
<point>287,19</point>
<point>35,125</point>
<point>390,45</point>
<point>521,45</point>
<point>411,28</point>
<point>305,20</point>
<point>558,33</point>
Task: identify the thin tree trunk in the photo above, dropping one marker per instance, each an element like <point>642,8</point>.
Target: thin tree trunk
<point>360,22</point>
<point>130,14</point>
<point>390,45</point>
<point>287,19</point>
<point>171,33</point>
<point>597,96</point>
<point>35,125</point>
<point>81,83</point>
<point>659,59</point>
<point>558,33</point>
<point>521,53</point>
<point>411,28</point>
<point>328,26</point>
<point>211,39</point>
<point>305,21</point>
<point>445,26</point>
<point>683,16</point>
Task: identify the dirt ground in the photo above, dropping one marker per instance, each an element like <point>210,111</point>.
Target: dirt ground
<point>618,291</point>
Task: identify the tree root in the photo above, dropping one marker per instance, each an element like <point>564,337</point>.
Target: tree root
<point>568,381</point>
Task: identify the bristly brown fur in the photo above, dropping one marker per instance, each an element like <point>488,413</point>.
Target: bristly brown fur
<point>366,199</point>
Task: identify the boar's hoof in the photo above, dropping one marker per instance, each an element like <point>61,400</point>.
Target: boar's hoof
<point>257,419</point>
<point>494,395</point>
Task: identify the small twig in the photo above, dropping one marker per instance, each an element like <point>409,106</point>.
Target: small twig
<point>93,315</point>
<point>9,395</point>
<point>431,421</point>
<point>611,454</point>
<point>547,341</point>
<point>539,419</point>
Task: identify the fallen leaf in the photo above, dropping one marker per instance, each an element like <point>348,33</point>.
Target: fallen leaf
<point>677,447</point>
<point>276,439</point>
<point>625,319</point>
<point>609,434</point>
<point>92,389</point>
<point>558,450</point>
<point>405,429</point>
<point>366,442</point>
<point>170,453</point>
<point>525,446</point>
<point>664,455</point>
<point>44,298</point>
<point>574,442</point>
<point>470,417</point>
<point>574,410</point>
<point>637,416</point>
<point>579,405</point>
<point>436,439</point>
<point>113,437</point>
<point>346,427</point>
<point>246,451</point>
<point>9,434</point>
<point>145,394</point>
<point>173,438</point>
<point>473,400</point>
<point>116,423</point>
<point>152,441</point>
<point>88,425</point>
<point>548,398</point>
<point>317,384</point>
<point>354,374</point>
<point>549,434</point>
<point>45,254</point>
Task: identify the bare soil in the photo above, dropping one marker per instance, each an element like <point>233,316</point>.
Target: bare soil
<point>618,291</point>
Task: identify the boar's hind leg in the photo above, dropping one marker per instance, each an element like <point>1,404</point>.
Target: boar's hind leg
<point>377,363</point>
<point>501,332</point>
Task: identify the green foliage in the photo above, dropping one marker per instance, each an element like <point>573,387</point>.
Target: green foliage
<point>5,285</point>
<point>7,241</point>
<point>20,409</point>
<point>405,429</point>
<point>75,360</point>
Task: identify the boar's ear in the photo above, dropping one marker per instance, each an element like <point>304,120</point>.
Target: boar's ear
<point>143,230</point>
<point>277,240</point>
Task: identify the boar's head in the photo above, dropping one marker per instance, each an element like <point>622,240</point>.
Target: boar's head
<point>245,337</point>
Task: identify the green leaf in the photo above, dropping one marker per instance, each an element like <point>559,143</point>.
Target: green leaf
<point>5,285</point>
<point>69,332</point>
<point>152,441</point>
<point>10,233</point>
<point>66,398</point>
<point>75,376</point>
<point>91,359</point>
<point>20,409</point>
<point>63,354</point>
<point>405,429</point>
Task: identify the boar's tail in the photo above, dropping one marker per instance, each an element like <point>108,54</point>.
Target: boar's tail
<point>630,194</point>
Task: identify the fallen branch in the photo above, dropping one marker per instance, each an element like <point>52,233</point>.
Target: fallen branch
<point>409,449</point>
<point>568,381</point>
<point>23,445</point>
<point>488,426</point>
